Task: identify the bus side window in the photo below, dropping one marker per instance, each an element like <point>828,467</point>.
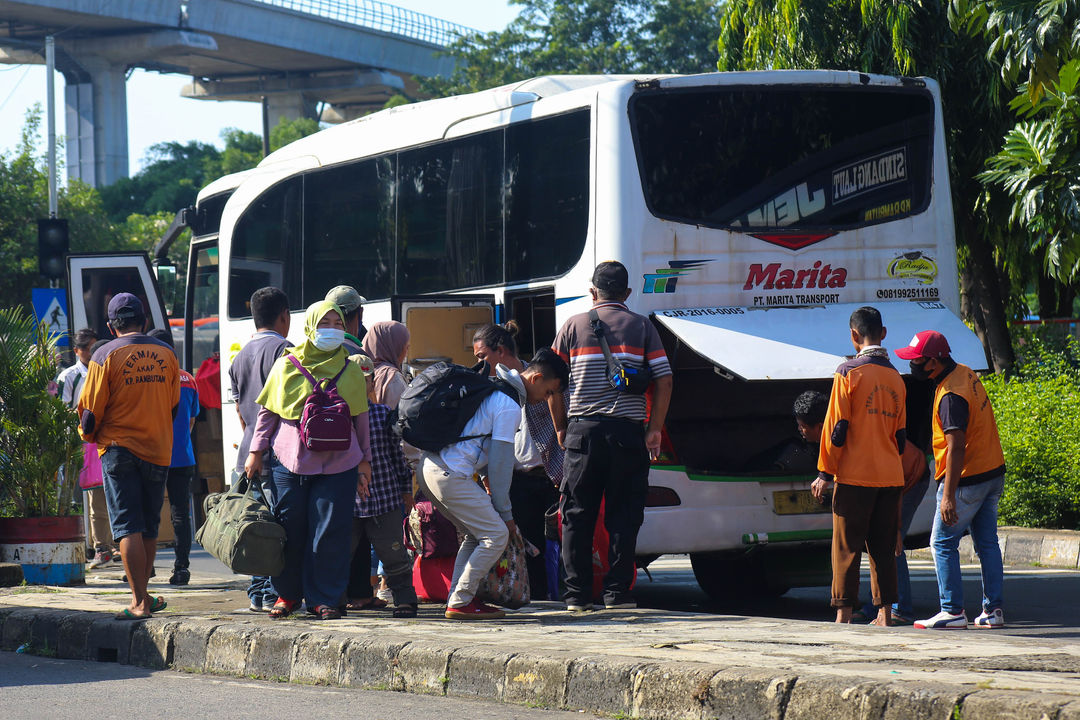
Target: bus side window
<point>534,312</point>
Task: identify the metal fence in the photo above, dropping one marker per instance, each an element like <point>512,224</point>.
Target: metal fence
<point>380,16</point>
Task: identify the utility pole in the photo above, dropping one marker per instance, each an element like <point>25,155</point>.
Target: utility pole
<point>50,104</point>
<point>265,125</point>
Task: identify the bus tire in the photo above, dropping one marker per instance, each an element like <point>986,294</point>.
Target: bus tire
<point>733,579</point>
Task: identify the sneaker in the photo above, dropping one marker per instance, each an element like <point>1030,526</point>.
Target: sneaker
<point>101,559</point>
<point>620,602</point>
<point>993,620</point>
<point>943,621</point>
<point>474,611</point>
<point>180,576</point>
<point>578,608</point>
<point>258,607</point>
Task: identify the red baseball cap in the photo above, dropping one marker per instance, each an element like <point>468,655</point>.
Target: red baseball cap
<point>927,344</point>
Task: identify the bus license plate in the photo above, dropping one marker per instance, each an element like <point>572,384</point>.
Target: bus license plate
<point>796,502</point>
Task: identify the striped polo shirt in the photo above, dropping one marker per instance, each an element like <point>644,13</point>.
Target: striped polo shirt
<point>632,339</point>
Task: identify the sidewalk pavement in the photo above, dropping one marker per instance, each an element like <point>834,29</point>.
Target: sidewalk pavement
<point>639,663</point>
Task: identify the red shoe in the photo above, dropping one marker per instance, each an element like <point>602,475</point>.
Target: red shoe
<point>474,611</point>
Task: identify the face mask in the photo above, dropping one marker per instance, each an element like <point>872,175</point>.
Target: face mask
<point>327,339</point>
<point>919,372</point>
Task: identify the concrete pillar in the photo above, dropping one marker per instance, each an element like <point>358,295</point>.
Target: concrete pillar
<point>79,122</point>
<point>97,137</point>
<point>291,106</point>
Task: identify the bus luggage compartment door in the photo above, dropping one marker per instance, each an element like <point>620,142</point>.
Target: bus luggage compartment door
<point>441,327</point>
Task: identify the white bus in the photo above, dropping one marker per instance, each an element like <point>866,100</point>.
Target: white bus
<point>754,212</point>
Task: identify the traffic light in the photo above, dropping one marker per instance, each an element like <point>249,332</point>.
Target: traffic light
<point>52,247</point>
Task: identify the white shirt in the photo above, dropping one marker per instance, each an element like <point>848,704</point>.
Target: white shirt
<point>497,418</point>
<point>526,452</point>
<point>71,381</point>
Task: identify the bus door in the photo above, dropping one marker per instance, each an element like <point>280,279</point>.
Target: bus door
<point>201,341</point>
<point>94,278</point>
<point>441,327</point>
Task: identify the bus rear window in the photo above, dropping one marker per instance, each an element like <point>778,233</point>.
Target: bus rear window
<point>784,157</point>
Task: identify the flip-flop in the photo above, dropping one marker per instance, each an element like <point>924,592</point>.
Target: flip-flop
<point>371,603</point>
<point>158,604</point>
<point>128,615</point>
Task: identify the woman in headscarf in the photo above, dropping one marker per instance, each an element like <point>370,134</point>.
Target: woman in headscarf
<point>314,491</point>
<point>387,343</point>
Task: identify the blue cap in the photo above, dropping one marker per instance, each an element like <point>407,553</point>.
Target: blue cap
<point>125,306</point>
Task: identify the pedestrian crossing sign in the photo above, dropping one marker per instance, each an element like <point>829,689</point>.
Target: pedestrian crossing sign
<point>50,307</point>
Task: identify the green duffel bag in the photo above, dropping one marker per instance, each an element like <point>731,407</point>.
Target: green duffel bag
<point>241,532</point>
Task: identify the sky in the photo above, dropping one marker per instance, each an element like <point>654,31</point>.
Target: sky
<point>157,113</point>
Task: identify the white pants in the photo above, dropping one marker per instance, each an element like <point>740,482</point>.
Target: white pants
<point>465,504</point>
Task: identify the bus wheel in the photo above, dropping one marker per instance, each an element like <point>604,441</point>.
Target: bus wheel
<point>732,579</point>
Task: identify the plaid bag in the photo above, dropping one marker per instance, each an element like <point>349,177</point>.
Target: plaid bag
<point>507,583</point>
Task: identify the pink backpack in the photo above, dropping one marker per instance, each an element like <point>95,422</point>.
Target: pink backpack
<point>325,423</point>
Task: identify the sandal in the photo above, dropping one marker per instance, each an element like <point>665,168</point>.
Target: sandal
<point>368,603</point>
<point>283,609</point>
<point>158,604</point>
<point>405,611</point>
<point>326,612</point>
<point>126,614</point>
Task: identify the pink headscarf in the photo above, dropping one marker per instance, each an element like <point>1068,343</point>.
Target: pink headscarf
<point>384,343</point>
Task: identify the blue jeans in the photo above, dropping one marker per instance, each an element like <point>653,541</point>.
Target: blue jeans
<point>909,504</point>
<point>316,512</point>
<point>977,509</point>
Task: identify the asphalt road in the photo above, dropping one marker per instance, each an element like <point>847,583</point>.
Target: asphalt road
<point>1039,602</point>
<point>33,687</point>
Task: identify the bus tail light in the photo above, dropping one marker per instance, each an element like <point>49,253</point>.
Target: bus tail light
<point>658,496</point>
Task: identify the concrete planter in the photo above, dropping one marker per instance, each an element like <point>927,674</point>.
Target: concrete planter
<point>51,550</point>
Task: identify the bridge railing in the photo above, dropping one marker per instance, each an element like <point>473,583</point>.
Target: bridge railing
<point>380,16</point>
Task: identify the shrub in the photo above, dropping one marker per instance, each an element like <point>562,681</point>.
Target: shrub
<point>37,431</point>
<point>1038,416</point>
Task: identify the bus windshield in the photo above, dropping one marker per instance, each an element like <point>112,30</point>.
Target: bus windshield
<point>778,157</point>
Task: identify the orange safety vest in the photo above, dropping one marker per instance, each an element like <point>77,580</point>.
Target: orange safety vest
<point>982,446</point>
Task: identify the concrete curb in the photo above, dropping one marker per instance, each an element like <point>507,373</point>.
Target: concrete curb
<point>1025,546</point>
<point>641,688</point>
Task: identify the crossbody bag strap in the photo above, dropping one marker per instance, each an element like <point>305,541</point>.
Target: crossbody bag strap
<point>598,328</point>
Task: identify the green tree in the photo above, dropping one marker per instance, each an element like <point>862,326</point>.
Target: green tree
<point>287,131</point>
<point>170,180</point>
<point>1037,45</point>
<point>24,198</point>
<point>903,38</point>
<point>585,36</point>
<point>243,151</point>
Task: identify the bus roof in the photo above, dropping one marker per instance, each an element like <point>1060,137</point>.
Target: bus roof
<point>428,121</point>
<point>225,183</point>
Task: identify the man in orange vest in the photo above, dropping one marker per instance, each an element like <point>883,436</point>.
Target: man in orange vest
<point>970,471</point>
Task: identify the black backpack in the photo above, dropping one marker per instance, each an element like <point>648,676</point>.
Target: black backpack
<point>438,403</point>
